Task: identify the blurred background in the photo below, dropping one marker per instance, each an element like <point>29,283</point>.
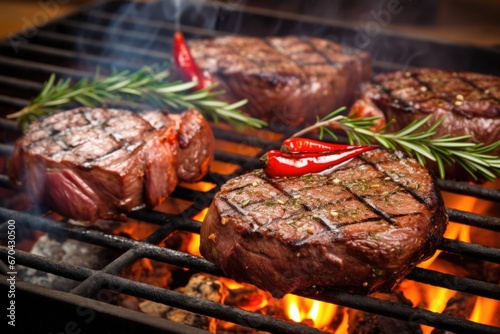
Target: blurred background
<point>466,21</point>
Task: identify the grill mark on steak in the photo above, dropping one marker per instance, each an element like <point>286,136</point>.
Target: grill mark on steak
<point>321,219</point>
<point>300,64</point>
<point>392,99</point>
<point>322,53</point>
<point>450,98</point>
<point>120,142</point>
<point>406,188</point>
<point>366,200</point>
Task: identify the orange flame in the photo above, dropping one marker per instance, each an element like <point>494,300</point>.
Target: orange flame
<point>193,246</point>
<point>435,298</point>
<point>300,309</point>
<point>344,325</point>
<point>485,311</point>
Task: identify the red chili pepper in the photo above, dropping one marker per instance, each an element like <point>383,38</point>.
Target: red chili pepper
<point>185,62</point>
<point>278,163</point>
<point>304,145</point>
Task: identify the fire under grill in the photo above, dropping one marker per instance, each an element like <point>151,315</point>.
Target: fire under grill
<point>125,35</point>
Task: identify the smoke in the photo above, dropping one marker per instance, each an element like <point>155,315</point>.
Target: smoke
<point>132,34</point>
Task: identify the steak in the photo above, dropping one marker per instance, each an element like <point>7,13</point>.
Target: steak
<point>96,163</point>
<point>469,102</point>
<point>360,228</point>
<point>287,80</point>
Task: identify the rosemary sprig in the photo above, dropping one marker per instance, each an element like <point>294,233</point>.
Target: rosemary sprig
<point>422,144</point>
<point>148,84</point>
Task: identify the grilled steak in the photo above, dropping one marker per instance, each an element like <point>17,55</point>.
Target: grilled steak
<point>286,79</point>
<point>360,228</point>
<point>101,163</point>
<point>470,103</point>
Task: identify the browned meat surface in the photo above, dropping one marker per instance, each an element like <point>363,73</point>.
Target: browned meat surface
<point>91,163</point>
<point>195,138</point>
<point>361,228</point>
<point>286,79</point>
<point>470,103</point>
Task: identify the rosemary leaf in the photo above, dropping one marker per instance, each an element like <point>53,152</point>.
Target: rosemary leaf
<point>422,144</point>
<point>147,84</point>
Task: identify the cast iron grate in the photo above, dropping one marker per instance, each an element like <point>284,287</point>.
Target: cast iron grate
<point>126,35</point>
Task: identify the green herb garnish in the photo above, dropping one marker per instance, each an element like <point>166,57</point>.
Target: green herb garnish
<point>148,84</point>
<point>416,142</point>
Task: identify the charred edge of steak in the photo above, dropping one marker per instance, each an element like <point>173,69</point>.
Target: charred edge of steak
<point>363,205</point>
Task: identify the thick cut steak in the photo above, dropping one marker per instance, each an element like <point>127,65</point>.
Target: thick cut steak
<point>91,163</point>
<point>469,103</point>
<point>360,228</point>
<point>286,79</point>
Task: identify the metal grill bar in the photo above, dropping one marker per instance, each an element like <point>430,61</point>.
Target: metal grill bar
<point>101,315</point>
<point>464,248</point>
<point>101,280</point>
<point>490,223</point>
<point>137,249</point>
<point>470,190</point>
<point>453,282</point>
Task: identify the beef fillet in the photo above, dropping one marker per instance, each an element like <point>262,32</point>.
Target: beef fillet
<point>469,102</point>
<point>360,228</point>
<point>286,79</point>
<point>91,163</point>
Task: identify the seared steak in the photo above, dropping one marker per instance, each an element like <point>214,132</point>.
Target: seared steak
<point>361,228</point>
<point>91,163</point>
<point>470,103</point>
<point>286,79</point>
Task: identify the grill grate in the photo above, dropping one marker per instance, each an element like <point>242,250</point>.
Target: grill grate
<point>126,35</point>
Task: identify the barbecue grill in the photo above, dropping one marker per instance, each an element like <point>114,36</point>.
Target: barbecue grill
<point>125,35</point>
